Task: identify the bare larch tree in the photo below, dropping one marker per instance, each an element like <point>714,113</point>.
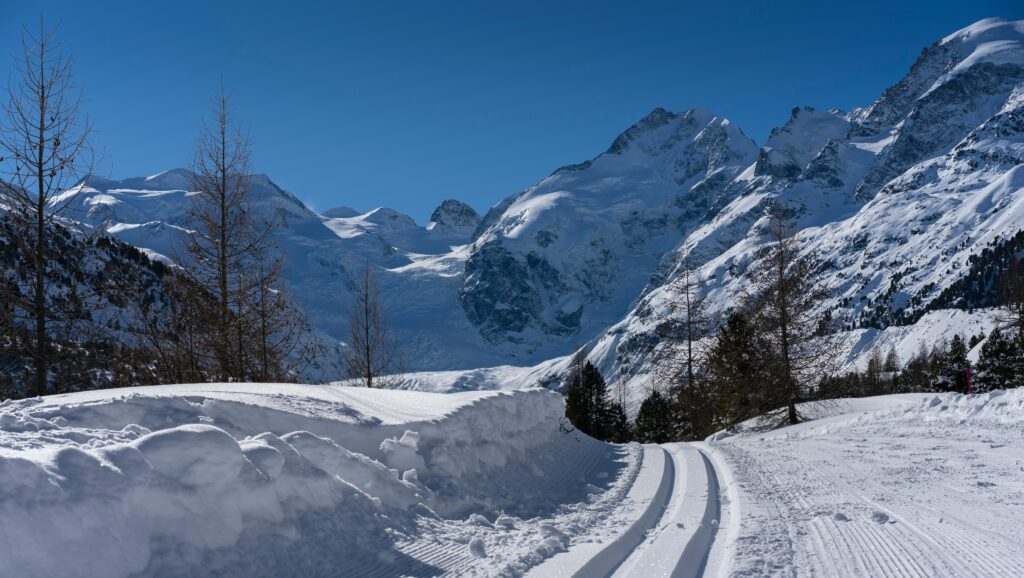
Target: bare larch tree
<point>373,355</point>
<point>679,357</point>
<point>43,150</point>
<point>785,298</point>
<point>226,239</point>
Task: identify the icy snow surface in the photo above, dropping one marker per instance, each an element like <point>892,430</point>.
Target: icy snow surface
<point>296,480</point>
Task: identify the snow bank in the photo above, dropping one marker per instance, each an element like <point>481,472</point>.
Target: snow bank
<point>265,479</point>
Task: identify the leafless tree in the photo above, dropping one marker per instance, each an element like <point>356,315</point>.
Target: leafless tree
<point>679,355</point>
<point>283,338</point>
<point>226,238</point>
<point>44,148</point>
<point>373,356</point>
<point>1011,300</point>
<point>785,298</point>
<point>164,317</point>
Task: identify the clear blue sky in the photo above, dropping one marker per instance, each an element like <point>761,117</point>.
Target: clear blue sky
<point>404,104</point>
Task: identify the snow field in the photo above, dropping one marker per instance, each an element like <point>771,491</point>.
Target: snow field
<point>912,485</point>
<point>288,480</point>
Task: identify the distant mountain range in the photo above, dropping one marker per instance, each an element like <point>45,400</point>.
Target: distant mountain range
<point>898,199</point>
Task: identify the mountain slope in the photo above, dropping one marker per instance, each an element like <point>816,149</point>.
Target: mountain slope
<point>895,199</point>
<point>567,256</point>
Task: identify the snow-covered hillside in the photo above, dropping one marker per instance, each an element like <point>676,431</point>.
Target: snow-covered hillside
<point>567,256</point>
<point>420,267</point>
<point>296,480</point>
<point>545,270</point>
<point>895,198</point>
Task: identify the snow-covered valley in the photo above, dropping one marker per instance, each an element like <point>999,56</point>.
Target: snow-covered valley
<point>693,354</point>
<point>296,480</point>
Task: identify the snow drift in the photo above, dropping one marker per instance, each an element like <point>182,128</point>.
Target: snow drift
<point>272,479</point>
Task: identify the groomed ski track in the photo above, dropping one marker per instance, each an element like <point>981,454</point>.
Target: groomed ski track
<point>671,536</point>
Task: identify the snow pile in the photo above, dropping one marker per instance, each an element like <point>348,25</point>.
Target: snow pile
<point>269,479</point>
<point>1003,406</point>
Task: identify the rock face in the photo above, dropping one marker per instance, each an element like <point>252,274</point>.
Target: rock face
<point>453,214</point>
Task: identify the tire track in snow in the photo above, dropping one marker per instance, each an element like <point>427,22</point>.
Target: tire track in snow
<point>674,536</point>
<point>681,544</point>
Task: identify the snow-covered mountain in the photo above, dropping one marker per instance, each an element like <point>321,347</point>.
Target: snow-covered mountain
<point>545,271</point>
<point>897,198</point>
<point>567,256</point>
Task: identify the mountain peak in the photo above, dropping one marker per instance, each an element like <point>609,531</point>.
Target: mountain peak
<point>993,41</point>
<point>453,213</point>
<point>177,178</point>
<point>340,213</point>
<point>654,120</point>
<point>979,27</point>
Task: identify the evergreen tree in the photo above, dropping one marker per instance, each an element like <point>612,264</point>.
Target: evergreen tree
<point>586,400</point>
<point>917,375</point>
<point>998,363</point>
<point>952,374</point>
<point>616,424</point>
<point>736,365</point>
<point>654,420</point>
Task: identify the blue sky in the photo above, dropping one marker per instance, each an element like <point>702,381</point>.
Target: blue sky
<point>404,104</point>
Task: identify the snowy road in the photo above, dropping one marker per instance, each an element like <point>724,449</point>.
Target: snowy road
<point>671,535</point>
<point>292,480</point>
<point>906,486</point>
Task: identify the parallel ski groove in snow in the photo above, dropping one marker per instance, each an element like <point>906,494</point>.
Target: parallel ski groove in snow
<point>679,546</point>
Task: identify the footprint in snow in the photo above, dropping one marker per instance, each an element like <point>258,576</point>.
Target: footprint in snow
<point>880,517</point>
<point>841,517</point>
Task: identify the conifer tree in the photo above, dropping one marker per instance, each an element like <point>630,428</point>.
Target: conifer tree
<point>586,400</point>
<point>736,368</point>
<point>998,363</point>
<point>952,373</point>
<point>616,425</point>
<point>654,419</point>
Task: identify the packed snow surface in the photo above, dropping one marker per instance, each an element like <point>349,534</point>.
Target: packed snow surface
<point>905,485</point>
<point>296,480</point>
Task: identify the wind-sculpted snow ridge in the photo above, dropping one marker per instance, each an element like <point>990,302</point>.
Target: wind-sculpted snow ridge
<point>292,480</point>
<point>904,485</point>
